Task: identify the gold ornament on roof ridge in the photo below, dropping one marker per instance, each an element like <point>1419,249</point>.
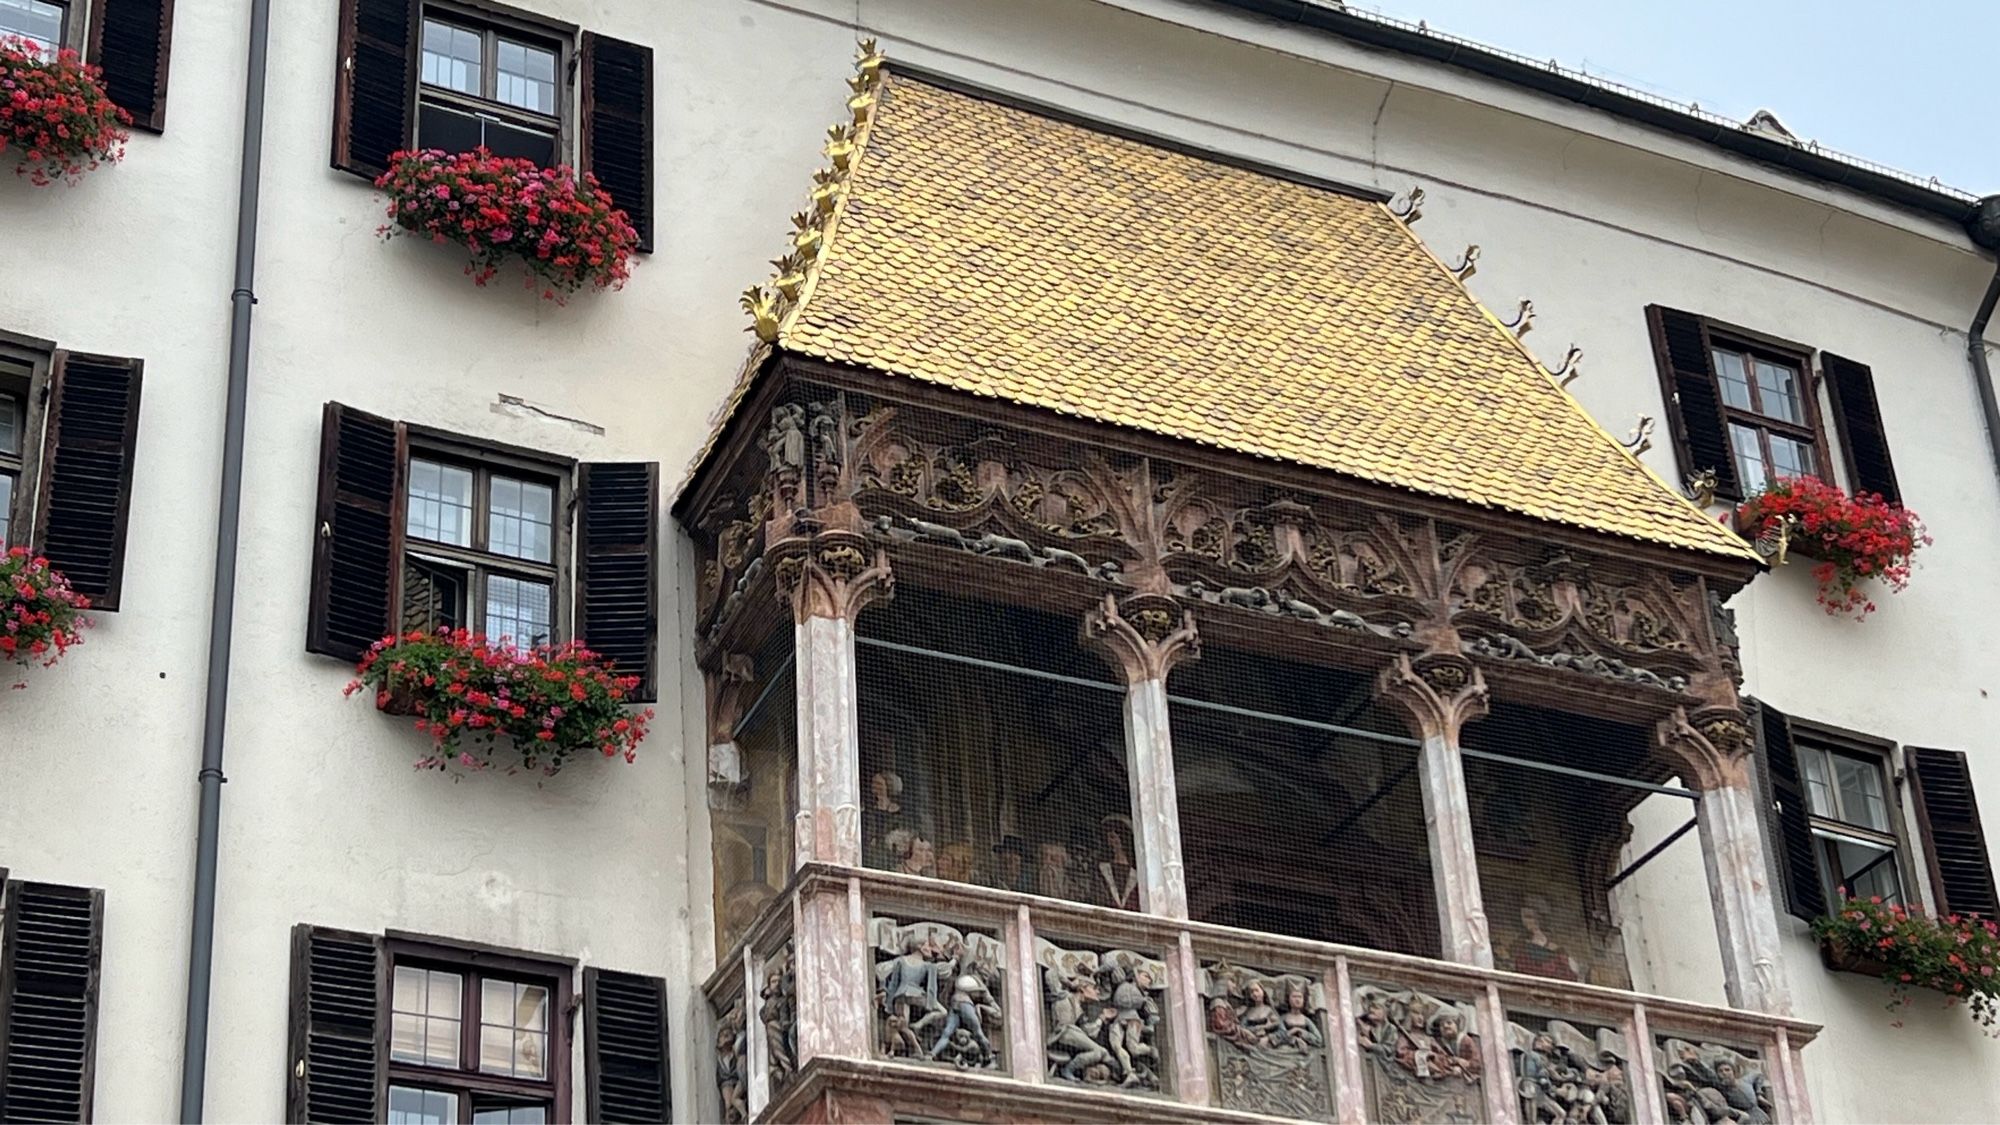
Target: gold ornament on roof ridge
<point>840,146</point>
<point>763,311</point>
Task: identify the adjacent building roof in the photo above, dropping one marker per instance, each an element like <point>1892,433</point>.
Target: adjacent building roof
<point>1000,252</point>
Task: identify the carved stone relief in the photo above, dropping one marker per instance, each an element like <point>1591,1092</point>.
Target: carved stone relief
<point>1565,1073</point>
<point>1101,1014</point>
<point>1420,1057</point>
<point>778,1013</point>
<point>1708,1082</point>
<point>937,994</point>
<point>732,1063</point>
<point>1267,1037</point>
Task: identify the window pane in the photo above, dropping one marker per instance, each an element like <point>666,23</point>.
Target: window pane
<point>1777,388</point>
<point>1861,800</point>
<point>513,1038</point>
<point>434,595</point>
<point>1749,458</point>
<point>528,144</point>
<point>1819,793</point>
<point>1866,870</point>
<point>38,20</point>
<point>1791,458</point>
<point>10,415</point>
<point>518,609</point>
<point>440,502</point>
<point>411,1106</point>
<point>451,57</point>
<point>521,521</point>
<point>448,129</point>
<point>512,1115</point>
<point>1735,382</point>
<point>526,77</point>
<point>424,1020</point>
<point>6,505</point>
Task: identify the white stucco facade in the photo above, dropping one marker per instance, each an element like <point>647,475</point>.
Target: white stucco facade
<point>323,819</point>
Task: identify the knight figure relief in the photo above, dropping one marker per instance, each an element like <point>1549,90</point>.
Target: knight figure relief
<point>1563,1073</point>
<point>1101,1016</point>
<point>1707,1082</point>
<point>937,994</point>
<point>1267,1037</point>
<point>1420,1057</point>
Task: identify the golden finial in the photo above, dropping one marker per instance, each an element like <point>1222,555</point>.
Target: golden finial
<point>860,106</point>
<point>839,146</point>
<point>868,60</point>
<point>791,275</point>
<point>763,313</point>
<point>1701,487</point>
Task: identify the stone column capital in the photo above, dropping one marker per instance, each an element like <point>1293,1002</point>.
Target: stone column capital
<point>1712,746</point>
<point>1439,692</point>
<point>833,574</point>
<point>1144,636</point>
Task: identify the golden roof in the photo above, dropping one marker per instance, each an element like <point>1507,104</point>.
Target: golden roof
<point>999,252</point>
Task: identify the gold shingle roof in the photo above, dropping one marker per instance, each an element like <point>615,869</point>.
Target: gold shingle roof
<point>995,251</point>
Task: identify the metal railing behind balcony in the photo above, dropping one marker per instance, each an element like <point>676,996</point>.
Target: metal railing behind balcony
<point>899,996</point>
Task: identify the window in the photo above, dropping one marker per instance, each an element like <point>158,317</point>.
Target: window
<point>44,22</point>
<point>1853,826</point>
<point>481,548</point>
<point>13,442</point>
<point>51,942</point>
<point>1767,402</point>
<point>474,1038</point>
<point>485,84</point>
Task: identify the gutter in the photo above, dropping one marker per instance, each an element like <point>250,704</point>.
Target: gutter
<point>222,602</point>
<point>1984,228</point>
<point>1801,161</point>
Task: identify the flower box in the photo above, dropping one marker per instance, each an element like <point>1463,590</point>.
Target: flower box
<point>1854,540</point>
<point>55,114</point>
<point>566,232</point>
<point>479,700</point>
<point>1956,955</point>
<point>41,617</point>
<point>1839,957</point>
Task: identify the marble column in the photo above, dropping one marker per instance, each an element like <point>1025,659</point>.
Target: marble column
<point>1713,749</point>
<point>1144,637</point>
<point>1438,695</point>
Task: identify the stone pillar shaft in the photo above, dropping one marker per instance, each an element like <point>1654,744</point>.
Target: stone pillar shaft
<point>1746,919</point>
<point>1439,694</point>
<point>835,988</point>
<point>829,743</point>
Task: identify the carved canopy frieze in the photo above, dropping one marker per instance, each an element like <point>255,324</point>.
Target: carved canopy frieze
<point>931,484</point>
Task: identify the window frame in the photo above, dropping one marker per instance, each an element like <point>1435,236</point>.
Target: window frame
<point>483,459</point>
<point>72,32</point>
<point>489,22</point>
<point>1827,831</point>
<point>32,388</point>
<point>474,962</point>
<point>1810,432</point>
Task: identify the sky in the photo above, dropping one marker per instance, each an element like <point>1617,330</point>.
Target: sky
<point>1910,85</point>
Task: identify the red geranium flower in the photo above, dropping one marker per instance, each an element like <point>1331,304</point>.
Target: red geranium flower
<point>1855,538</point>
<point>55,114</point>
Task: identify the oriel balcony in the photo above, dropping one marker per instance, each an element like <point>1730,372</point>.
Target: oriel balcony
<point>1172,656</point>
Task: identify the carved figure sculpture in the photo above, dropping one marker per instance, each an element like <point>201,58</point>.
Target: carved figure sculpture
<point>1267,1041</point>
<point>1705,1082</point>
<point>1132,1026</point>
<point>780,1015</point>
<point>971,1005</point>
<point>1102,1014</point>
<point>785,444</point>
<point>1075,1020</point>
<point>928,532</point>
<point>1423,1058</point>
<point>1562,1074</point>
<point>1055,555</point>
<point>1002,546</point>
<point>935,990</point>
<point>731,1060</point>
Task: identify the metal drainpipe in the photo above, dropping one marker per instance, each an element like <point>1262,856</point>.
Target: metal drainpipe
<point>222,603</point>
<point>1984,227</point>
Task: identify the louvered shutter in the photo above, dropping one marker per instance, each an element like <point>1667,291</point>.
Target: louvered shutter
<point>130,39</point>
<point>625,1048</point>
<point>357,533</point>
<point>617,593</point>
<point>1694,405</point>
<point>1858,418</point>
<point>375,87</point>
<point>50,945</point>
<point>1787,821</point>
<point>1948,811</point>
<point>336,1063</point>
<point>617,144</point>
<point>85,487</point>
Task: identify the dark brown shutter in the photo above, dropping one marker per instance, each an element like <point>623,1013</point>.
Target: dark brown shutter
<point>375,87</point>
<point>625,1048</point>
<point>1948,811</point>
<point>1694,405</point>
<point>130,40</point>
<point>617,143</point>
<point>85,489</point>
<point>336,1065</point>
<point>357,532</point>
<point>1851,385</point>
<point>50,946</point>
<point>617,594</point>
<point>1788,820</point>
